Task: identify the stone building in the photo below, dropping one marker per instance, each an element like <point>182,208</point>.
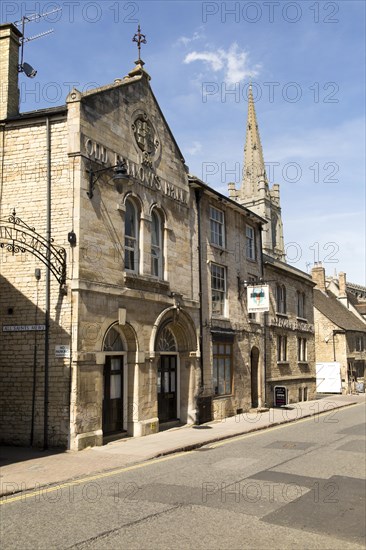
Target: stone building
<point>289,354</point>
<point>340,332</point>
<point>121,300</point>
<point>351,295</point>
<point>118,308</point>
<point>123,285</point>
<point>229,238</point>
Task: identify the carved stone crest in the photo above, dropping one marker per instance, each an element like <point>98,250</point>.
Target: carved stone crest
<point>145,135</point>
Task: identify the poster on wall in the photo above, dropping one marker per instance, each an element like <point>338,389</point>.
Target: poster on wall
<point>280,396</point>
<point>258,298</point>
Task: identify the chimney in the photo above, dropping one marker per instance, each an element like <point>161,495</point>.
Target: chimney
<point>342,285</point>
<point>318,276</point>
<point>9,60</point>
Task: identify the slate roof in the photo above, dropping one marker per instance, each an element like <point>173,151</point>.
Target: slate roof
<point>336,312</point>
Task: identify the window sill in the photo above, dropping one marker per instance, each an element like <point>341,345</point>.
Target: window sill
<point>302,319</point>
<point>223,396</point>
<point>218,247</point>
<point>284,315</point>
<point>220,317</point>
<point>253,260</point>
<point>283,363</point>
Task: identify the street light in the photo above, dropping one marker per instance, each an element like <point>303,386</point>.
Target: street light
<point>120,174</point>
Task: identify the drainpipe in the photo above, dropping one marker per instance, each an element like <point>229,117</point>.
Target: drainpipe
<point>48,287</point>
<point>198,194</point>
<point>265,315</point>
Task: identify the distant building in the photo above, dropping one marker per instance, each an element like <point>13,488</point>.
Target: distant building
<point>340,332</point>
<point>352,295</point>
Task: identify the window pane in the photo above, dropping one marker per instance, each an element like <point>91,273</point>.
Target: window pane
<point>116,363</point>
<point>115,386</point>
<point>217,226</point>
<point>221,377</point>
<point>172,381</point>
<point>222,367</point>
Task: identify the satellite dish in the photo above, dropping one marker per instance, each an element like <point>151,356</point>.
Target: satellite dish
<point>28,70</point>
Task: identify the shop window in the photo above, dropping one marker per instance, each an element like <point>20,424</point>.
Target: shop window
<point>222,368</point>
<point>156,245</point>
<point>217,227</point>
<point>131,237</point>
<point>218,289</point>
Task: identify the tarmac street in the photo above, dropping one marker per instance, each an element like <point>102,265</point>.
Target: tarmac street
<point>293,485</point>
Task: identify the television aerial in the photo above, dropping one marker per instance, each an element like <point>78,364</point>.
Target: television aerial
<point>24,67</point>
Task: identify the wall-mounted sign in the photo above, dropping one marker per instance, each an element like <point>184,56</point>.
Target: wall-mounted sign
<point>292,325</point>
<point>258,298</point>
<point>280,396</point>
<point>143,171</point>
<point>62,351</point>
<point>22,328</point>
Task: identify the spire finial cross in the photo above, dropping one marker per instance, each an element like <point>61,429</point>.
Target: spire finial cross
<point>140,39</point>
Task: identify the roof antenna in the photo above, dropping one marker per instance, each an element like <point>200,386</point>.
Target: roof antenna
<point>24,67</point>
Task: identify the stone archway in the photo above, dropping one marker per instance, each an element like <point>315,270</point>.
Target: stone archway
<point>174,343</point>
<point>114,382</point>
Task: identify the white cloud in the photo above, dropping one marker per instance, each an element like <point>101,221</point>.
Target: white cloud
<point>185,40</point>
<point>194,148</point>
<point>234,62</point>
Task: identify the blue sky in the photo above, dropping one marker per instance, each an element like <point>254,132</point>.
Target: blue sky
<point>307,63</point>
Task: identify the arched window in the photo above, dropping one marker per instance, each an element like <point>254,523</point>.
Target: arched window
<point>281,298</point>
<point>166,341</point>
<point>113,341</point>
<point>156,245</point>
<point>131,237</point>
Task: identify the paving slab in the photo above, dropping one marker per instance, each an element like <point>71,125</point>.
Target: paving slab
<point>23,469</point>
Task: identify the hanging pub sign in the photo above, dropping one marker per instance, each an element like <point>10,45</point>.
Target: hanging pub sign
<point>258,298</point>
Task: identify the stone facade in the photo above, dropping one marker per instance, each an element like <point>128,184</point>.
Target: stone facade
<point>340,331</point>
<point>228,337</point>
<point>145,318</point>
<point>296,370</point>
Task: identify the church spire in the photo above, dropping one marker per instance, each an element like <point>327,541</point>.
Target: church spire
<point>255,193</point>
<point>254,181</point>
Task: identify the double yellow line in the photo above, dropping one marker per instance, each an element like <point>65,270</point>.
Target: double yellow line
<point>45,490</point>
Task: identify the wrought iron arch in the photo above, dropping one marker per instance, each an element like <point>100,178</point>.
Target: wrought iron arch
<point>18,237</point>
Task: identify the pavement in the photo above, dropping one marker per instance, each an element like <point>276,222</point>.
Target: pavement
<point>24,468</point>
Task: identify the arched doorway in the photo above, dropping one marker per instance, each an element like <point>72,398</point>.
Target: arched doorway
<point>114,383</point>
<point>254,361</point>
<point>167,382</point>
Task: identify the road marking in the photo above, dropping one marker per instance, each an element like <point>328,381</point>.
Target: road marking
<point>44,490</point>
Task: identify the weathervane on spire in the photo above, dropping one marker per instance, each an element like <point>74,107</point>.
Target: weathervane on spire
<point>140,39</point>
